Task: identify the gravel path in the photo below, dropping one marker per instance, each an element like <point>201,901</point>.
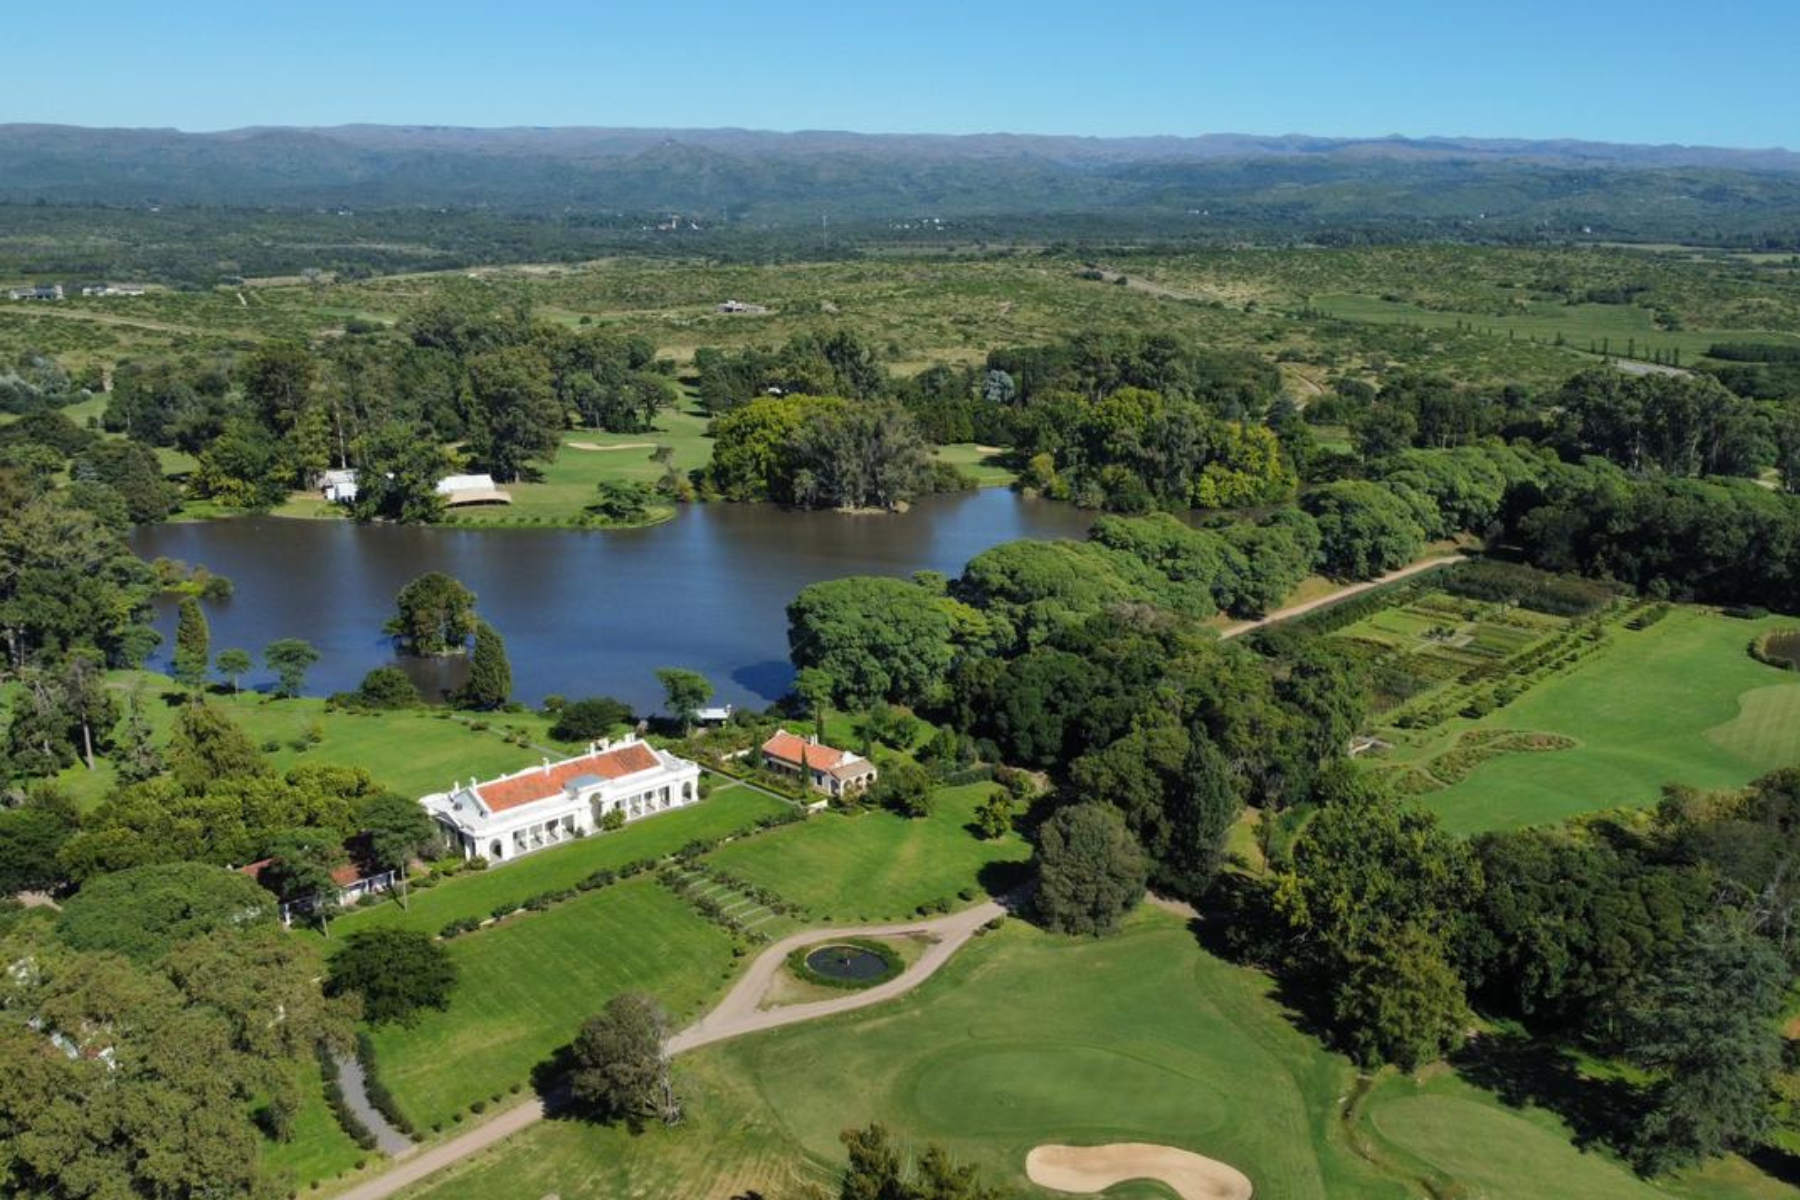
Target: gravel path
<point>388,1140</point>
<point>735,1015</point>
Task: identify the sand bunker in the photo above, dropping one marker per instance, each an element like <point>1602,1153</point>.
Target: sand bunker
<point>619,446</point>
<point>1091,1169</point>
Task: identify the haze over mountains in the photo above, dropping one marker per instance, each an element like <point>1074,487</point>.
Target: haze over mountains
<point>760,179</point>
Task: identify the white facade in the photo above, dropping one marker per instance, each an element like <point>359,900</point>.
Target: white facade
<point>503,819</point>
<point>339,487</point>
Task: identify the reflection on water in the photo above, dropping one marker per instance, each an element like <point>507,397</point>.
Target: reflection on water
<point>583,612</point>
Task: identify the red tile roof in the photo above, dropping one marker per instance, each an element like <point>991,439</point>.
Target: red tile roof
<point>787,747</point>
<point>343,876</point>
<point>528,787</point>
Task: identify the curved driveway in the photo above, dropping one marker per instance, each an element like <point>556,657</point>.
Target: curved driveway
<point>734,1016</point>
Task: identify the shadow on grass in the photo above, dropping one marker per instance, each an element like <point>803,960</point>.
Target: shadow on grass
<point>1521,1071</point>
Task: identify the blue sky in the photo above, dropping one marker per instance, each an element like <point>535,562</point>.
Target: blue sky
<point>1600,69</point>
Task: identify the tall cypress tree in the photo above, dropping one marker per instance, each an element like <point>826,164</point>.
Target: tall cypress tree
<point>193,642</point>
<point>490,675</point>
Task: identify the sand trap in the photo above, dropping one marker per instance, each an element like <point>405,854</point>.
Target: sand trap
<point>1091,1169</point>
<point>619,446</point>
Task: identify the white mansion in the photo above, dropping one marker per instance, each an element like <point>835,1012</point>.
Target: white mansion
<point>504,818</point>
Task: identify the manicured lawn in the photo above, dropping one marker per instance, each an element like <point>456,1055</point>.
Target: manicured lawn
<point>477,893</point>
<point>413,752</point>
<point>1465,1139</point>
<point>319,1148</point>
<point>1679,702</point>
<point>526,985</point>
<point>1026,1038</point>
<point>873,865</point>
<point>586,459</point>
<point>981,462</point>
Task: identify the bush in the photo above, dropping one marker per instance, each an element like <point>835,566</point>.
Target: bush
<point>347,1120</point>
<point>380,1098</point>
<point>586,720</point>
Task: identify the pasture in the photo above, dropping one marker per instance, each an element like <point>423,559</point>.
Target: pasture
<point>1028,1038</point>
<point>526,985</point>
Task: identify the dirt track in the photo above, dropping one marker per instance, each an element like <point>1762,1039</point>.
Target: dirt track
<point>1343,593</point>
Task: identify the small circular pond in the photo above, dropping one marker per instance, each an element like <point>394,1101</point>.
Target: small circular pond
<point>850,964</point>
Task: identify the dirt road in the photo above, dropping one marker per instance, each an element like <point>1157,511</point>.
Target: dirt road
<point>1343,593</point>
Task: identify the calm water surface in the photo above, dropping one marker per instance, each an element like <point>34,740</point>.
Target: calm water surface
<point>583,612</point>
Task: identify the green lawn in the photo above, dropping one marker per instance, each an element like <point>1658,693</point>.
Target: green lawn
<point>319,1148</point>
<point>414,752</point>
<point>525,986</point>
<point>1463,1138</point>
<point>1679,702</point>
<point>477,893</point>
<point>983,462</point>
<point>569,482</point>
<point>1027,1038</point>
<point>874,865</point>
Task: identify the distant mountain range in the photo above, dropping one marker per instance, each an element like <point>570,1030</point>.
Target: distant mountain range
<point>751,178</point>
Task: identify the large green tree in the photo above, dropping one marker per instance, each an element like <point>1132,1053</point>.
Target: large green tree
<point>521,420</point>
<point>1090,870</point>
<point>875,638</point>
<point>436,615</point>
<point>193,640</point>
<point>290,659</point>
<point>684,691</point>
<point>619,1069</point>
<point>397,973</point>
<point>490,674</point>
<point>1707,1024</point>
<point>144,912</point>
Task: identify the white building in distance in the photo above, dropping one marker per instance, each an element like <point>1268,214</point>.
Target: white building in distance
<point>502,819</point>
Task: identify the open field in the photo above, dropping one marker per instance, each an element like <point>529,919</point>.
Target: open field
<point>1678,702</point>
<point>1026,1038</point>
<point>413,752</point>
<point>1612,328</point>
<point>874,865</point>
<point>526,985</point>
<point>949,307</point>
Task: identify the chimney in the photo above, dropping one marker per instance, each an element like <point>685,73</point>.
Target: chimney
<point>546,764</point>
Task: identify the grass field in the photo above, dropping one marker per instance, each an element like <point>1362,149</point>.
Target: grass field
<point>1027,1038</point>
<point>1679,702</point>
<point>477,893</point>
<point>319,1148</point>
<point>413,752</point>
<point>981,462</point>
<point>525,986</point>
<point>872,866</point>
<point>1615,327</point>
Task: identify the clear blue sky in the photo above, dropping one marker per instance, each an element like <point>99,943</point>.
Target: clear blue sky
<point>1601,69</point>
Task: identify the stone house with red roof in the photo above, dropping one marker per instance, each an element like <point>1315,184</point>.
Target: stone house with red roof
<point>514,815</point>
<point>823,768</point>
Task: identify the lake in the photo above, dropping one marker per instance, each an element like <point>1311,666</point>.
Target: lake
<point>583,612</point>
